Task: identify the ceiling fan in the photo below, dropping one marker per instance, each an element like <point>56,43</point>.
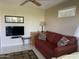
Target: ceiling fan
<point>33,1</point>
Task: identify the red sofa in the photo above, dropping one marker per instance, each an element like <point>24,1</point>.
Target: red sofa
<point>49,46</point>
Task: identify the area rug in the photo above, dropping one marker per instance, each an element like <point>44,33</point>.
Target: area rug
<point>28,54</point>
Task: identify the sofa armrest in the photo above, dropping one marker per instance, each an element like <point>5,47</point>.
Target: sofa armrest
<point>73,40</point>
<point>65,50</point>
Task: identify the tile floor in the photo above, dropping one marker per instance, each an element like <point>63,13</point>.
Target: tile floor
<point>21,48</point>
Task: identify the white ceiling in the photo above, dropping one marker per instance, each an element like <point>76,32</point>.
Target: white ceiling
<point>45,3</point>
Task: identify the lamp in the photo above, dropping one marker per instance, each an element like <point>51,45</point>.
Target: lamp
<point>42,24</point>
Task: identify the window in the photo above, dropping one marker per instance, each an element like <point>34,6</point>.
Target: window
<point>67,12</point>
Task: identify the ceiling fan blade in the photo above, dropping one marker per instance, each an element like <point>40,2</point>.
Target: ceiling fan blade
<point>35,2</point>
<point>24,2</point>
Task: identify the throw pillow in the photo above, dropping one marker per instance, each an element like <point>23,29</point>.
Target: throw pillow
<point>42,36</point>
<point>63,41</point>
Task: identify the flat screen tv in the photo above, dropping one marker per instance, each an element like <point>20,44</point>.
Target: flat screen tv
<point>14,30</point>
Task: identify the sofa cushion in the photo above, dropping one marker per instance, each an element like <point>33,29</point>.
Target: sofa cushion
<point>53,37</point>
<point>63,41</point>
<point>45,47</point>
<point>45,44</point>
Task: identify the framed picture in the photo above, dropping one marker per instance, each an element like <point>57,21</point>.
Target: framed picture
<point>14,19</point>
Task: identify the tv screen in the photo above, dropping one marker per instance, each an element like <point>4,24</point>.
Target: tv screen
<point>14,30</point>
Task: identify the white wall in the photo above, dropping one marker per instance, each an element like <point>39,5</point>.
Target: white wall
<point>32,18</point>
<point>64,25</point>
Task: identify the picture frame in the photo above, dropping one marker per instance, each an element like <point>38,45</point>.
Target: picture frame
<point>14,19</point>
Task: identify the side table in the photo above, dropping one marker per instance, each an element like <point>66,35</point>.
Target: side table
<point>25,38</point>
